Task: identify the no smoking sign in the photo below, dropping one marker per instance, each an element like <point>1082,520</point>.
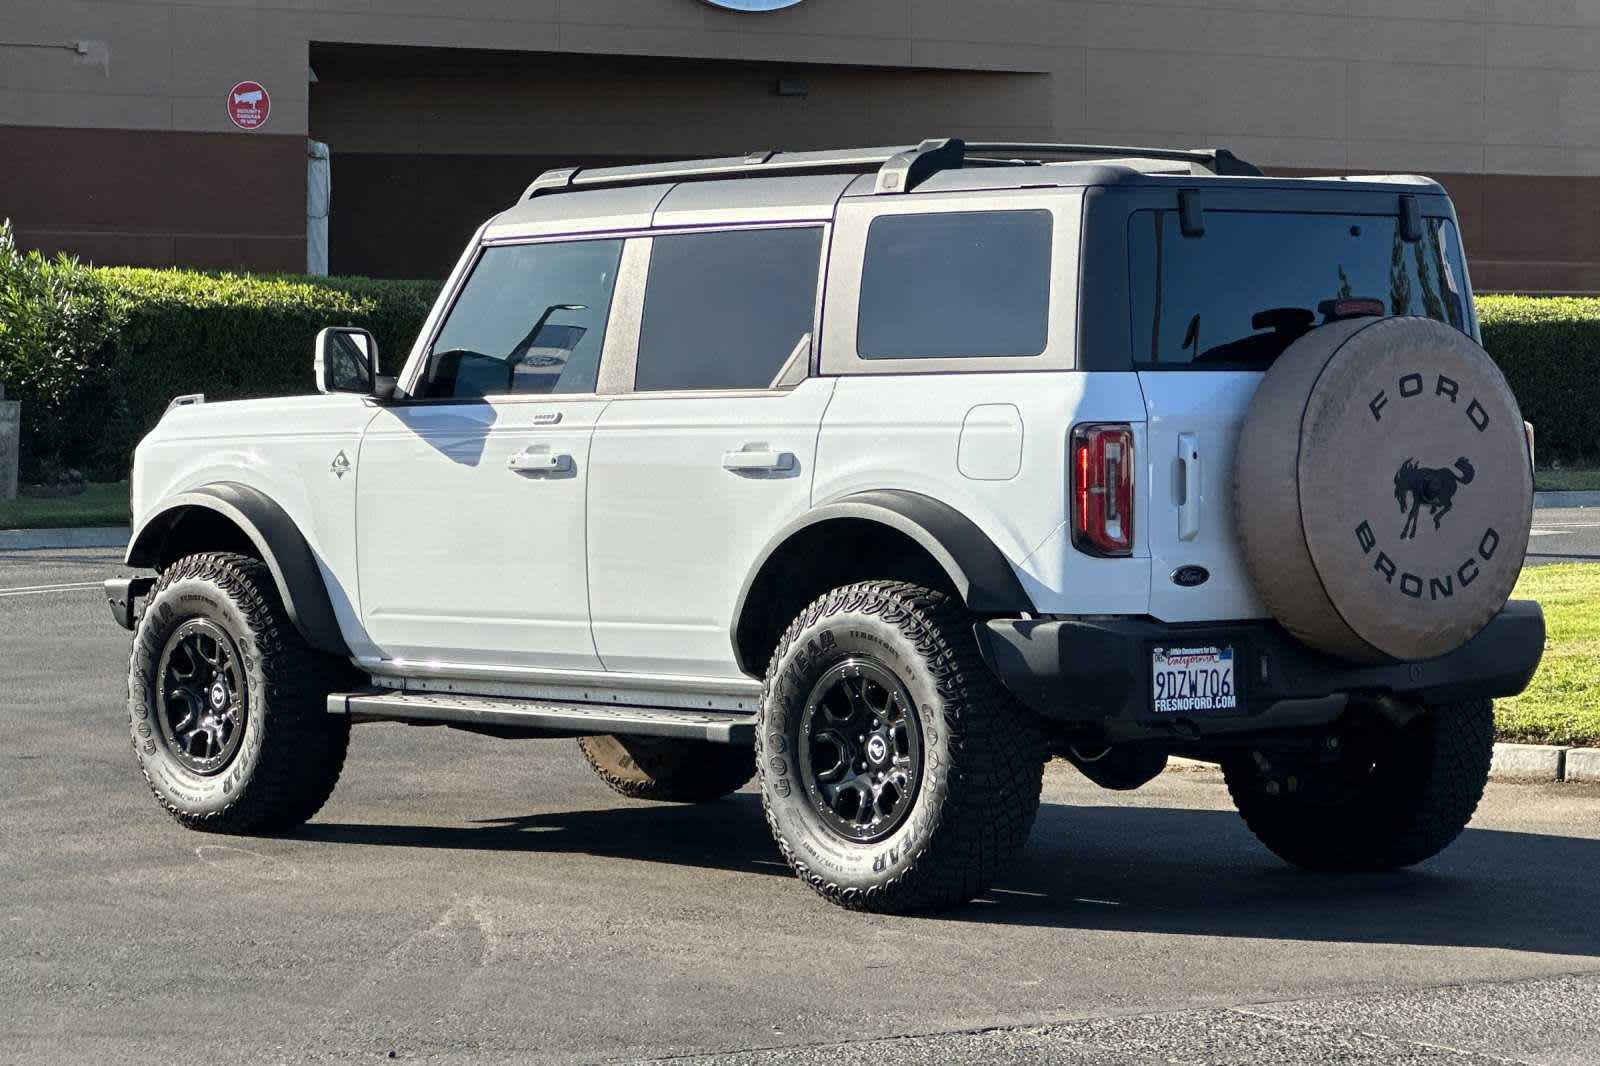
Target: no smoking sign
<point>249,105</point>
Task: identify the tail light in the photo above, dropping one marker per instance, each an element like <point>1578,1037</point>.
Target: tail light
<point>1102,489</point>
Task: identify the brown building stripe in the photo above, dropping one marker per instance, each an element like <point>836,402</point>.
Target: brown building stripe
<point>153,198</point>
<point>237,201</point>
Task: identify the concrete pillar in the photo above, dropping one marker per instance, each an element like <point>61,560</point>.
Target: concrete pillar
<point>10,438</point>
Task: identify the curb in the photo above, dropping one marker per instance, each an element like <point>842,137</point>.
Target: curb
<point>1519,763</point>
<point>81,537</point>
<point>1566,499</point>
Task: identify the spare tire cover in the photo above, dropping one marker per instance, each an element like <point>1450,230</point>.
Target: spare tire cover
<point>1383,489</point>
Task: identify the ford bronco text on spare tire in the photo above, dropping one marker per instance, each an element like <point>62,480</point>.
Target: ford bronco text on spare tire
<point>883,476</point>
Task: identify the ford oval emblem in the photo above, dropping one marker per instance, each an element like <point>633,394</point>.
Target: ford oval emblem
<point>1189,576</point>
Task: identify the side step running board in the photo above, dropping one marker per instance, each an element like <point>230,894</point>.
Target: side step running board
<point>538,717</point>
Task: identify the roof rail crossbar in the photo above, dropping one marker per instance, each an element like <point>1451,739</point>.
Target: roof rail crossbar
<point>1212,160</point>
<point>764,162</point>
<point>906,170</point>
<point>900,168</point>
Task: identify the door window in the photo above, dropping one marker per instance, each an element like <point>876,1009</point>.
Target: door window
<point>531,319</point>
<point>726,310</point>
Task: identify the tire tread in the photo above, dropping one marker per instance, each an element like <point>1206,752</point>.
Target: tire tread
<point>997,756</point>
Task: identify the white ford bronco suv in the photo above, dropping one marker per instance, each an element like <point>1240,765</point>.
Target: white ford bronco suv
<point>883,476</point>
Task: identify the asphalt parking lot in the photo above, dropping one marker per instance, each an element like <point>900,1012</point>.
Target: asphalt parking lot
<point>469,900</point>
<point>1565,535</point>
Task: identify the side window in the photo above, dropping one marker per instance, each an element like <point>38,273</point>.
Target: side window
<point>726,310</point>
<point>961,284</point>
<point>531,319</point>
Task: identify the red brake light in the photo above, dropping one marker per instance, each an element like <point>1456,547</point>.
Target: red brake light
<point>1102,489</point>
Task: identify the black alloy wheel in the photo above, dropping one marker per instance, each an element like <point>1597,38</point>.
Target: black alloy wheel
<point>202,701</point>
<point>861,753</point>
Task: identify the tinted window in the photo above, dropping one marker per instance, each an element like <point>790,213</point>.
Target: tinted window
<point>726,310</point>
<point>530,319</point>
<point>1256,281</point>
<point>956,285</point>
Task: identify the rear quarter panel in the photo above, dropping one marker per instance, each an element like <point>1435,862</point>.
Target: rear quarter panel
<point>905,432</point>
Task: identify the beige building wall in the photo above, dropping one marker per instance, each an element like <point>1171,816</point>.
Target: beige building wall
<point>1480,92</point>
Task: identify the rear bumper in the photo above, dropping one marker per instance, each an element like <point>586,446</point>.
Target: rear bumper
<point>1095,673</point>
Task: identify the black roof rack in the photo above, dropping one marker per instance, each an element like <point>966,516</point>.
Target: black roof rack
<point>1210,160</point>
<point>899,168</point>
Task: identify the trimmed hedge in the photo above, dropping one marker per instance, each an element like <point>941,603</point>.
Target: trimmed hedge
<point>95,354</point>
<point>1549,349</point>
<point>232,336</point>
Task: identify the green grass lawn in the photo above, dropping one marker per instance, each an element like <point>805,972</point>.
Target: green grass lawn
<point>1567,479</point>
<point>97,505</point>
<point>1562,706</point>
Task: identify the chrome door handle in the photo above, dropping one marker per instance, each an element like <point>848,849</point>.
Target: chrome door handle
<point>1189,505</point>
<point>755,457</point>
<point>539,462</point>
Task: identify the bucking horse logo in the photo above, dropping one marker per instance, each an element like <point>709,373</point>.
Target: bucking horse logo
<point>1434,486</point>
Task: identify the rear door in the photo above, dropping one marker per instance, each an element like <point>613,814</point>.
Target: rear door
<point>709,451</point>
<point>1211,312</point>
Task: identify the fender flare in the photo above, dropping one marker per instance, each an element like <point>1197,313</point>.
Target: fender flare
<point>977,569</point>
<point>276,537</point>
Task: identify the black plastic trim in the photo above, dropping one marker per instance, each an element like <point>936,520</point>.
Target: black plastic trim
<point>1095,672</point>
<point>278,540</point>
<point>123,595</point>
<point>976,568</point>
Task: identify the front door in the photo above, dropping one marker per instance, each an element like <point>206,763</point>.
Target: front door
<point>471,497</point>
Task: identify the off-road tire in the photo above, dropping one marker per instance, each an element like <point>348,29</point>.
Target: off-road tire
<point>983,758</point>
<point>668,769</point>
<point>1412,807</point>
<point>292,750</point>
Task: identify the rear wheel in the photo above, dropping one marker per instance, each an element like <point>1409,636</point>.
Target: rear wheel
<point>897,773</point>
<point>664,768</point>
<point>1394,796</point>
<point>228,704</point>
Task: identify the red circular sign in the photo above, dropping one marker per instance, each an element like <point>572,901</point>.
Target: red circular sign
<point>249,105</point>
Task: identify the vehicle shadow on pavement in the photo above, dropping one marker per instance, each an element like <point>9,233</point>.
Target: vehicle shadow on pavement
<point>727,834</point>
<point>1125,868</point>
<point>1200,872</point>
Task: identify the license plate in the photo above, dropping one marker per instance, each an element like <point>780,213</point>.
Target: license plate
<point>1193,680</point>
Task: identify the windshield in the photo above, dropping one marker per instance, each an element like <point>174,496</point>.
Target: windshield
<point>1256,281</point>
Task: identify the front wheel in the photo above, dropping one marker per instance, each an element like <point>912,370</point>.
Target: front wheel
<point>1393,797</point>
<point>896,772</point>
<point>228,704</point>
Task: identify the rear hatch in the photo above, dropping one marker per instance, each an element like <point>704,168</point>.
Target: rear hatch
<point>1211,309</point>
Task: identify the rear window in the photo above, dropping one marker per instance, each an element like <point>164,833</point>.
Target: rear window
<point>959,284</point>
<point>1256,281</point>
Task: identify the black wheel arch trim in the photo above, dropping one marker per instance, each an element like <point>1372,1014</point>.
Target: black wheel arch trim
<point>282,546</point>
<point>977,569</point>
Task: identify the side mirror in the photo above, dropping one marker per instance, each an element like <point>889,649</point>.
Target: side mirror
<point>346,361</point>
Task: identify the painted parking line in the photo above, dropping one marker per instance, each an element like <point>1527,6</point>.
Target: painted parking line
<point>45,590</point>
